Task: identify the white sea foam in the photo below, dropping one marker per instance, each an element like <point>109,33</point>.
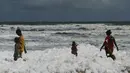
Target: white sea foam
<point>60,60</point>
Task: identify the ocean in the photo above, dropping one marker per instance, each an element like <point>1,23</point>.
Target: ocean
<point>40,37</point>
<point>53,42</point>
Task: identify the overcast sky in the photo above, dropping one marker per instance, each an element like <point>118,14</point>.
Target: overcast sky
<point>64,10</point>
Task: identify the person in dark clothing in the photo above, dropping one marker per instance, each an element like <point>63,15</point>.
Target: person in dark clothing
<point>16,48</point>
<point>74,48</point>
<point>108,45</point>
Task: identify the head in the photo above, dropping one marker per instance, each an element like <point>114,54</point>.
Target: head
<point>73,42</point>
<point>108,32</point>
<point>16,39</point>
<point>18,32</point>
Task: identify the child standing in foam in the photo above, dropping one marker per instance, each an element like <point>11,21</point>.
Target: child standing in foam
<point>16,49</point>
<point>74,48</point>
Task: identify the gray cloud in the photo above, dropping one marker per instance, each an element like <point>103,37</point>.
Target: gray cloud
<point>68,3</point>
<point>13,5</point>
<point>64,10</point>
<point>94,4</point>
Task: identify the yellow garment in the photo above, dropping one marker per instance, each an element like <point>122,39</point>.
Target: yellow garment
<point>21,39</point>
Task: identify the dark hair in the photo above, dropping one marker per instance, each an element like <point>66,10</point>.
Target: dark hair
<point>108,32</point>
<point>16,39</point>
<point>73,43</point>
<point>18,32</point>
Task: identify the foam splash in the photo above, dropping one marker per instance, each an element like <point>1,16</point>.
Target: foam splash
<point>56,60</point>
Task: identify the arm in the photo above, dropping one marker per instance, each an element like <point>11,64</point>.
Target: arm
<point>103,44</point>
<point>116,44</point>
<point>76,44</point>
<point>25,49</point>
<point>102,47</point>
<point>15,49</point>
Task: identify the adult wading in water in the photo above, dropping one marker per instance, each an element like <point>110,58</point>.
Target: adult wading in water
<point>21,40</point>
<point>108,45</point>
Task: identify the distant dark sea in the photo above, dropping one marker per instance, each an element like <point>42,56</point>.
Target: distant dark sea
<point>56,23</point>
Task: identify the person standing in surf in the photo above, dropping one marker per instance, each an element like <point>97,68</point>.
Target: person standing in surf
<point>16,48</point>
<point>21,40</point>
<point>108,45</point>
<point>74,48</point>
